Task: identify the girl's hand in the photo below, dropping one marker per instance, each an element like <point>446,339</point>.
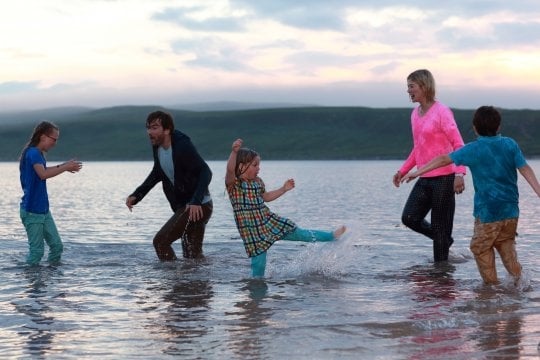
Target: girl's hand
<point>289,185</point>
<point>237,144</point>
<point>73,165</point>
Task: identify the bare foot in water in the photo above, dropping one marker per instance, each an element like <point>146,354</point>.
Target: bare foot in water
<point>339,231</point>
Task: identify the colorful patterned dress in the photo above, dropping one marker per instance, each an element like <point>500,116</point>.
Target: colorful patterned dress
<point>259,228</point>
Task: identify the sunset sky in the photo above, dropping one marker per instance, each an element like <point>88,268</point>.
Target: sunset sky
<point>357,53</point>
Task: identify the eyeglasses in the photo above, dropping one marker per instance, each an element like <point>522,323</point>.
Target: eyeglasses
<point>52,138</point>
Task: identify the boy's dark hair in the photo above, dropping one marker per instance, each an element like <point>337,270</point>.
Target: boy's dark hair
<point>487,120</point>
<point>164,118</point>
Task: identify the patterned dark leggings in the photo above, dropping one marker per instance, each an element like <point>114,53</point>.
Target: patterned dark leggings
<point>434,194</point>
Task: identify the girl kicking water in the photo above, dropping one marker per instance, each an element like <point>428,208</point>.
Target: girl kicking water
<point>259,228</point>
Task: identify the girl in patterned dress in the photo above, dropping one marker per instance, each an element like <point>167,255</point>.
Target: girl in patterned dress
<point>259,228</point>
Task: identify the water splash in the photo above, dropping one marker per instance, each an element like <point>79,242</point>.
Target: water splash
<point>459,256</point>
<point>523,284</point>
<point>332,259</point>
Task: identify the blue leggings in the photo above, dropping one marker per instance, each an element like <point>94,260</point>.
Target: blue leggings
<point>258,263</point>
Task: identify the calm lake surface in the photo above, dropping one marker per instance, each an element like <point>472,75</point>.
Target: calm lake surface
<point>374,294</point>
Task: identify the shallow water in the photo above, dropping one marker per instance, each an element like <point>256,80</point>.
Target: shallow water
<point>374,294</point>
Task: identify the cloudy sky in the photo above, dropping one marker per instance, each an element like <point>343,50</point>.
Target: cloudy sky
<point>351,52</point>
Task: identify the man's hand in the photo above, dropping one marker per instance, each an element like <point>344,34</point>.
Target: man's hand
<point>130,202</point>
<point>195,212</point>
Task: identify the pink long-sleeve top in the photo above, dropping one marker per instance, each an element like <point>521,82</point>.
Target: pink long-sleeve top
<point>435,133</point>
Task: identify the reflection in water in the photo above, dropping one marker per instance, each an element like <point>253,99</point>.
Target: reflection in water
<point>186,315</point>
<point>434,283</point>
<point>247,340</point>
<point>38,330</point>
<point>499,334</point>
<point>435,288</point>
<point>112,299</point>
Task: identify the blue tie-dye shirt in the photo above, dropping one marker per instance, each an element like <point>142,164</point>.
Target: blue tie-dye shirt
<point>493,161</point>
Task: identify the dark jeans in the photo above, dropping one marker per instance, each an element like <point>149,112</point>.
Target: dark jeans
<point>436,195</point>
<point>179,226</point>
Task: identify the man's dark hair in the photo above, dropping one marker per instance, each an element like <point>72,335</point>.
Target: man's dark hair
<point>164,118</point>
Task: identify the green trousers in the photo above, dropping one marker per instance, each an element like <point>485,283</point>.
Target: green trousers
<point>41,229</point>
<point>258,263</point>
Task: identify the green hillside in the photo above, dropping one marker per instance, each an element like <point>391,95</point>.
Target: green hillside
<point>119,133</point>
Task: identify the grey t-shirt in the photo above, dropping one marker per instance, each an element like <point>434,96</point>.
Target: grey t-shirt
<point>167,165</point>
<point>166,162</point>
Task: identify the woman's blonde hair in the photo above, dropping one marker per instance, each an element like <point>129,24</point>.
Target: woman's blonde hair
<point>425,80</point>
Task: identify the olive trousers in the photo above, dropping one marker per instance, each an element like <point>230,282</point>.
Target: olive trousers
<point>500,236</point>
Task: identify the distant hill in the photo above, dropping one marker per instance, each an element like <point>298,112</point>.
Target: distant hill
<point>118,133</point>
<point>33,116</point>
<point>235,105</point>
